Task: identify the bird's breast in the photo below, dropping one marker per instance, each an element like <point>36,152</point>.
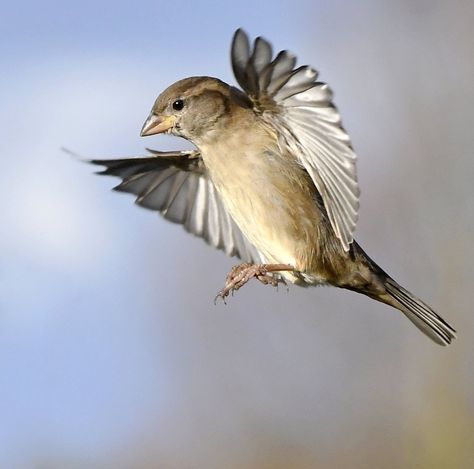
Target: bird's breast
<point>269,196</point>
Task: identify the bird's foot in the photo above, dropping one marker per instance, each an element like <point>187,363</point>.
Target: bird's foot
<point>242,273</point>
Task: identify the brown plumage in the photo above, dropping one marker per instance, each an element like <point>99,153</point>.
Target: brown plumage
<point>273,180</point>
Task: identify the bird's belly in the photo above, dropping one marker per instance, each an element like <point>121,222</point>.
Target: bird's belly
<point>273,205</point>
<point>266,225</point>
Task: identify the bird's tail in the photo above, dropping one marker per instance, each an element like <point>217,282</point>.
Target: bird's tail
<point>388,291</point>
<point>418,312</point>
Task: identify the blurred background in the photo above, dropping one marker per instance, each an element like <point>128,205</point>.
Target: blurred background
<point>112,353</point>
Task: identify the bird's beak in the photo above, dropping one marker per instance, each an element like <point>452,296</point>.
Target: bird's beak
<point>157,124</point>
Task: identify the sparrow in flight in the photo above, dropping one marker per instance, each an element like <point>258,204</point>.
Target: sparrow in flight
<point>272,181</point>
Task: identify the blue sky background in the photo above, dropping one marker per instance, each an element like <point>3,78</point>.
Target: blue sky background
<point>112,353</point>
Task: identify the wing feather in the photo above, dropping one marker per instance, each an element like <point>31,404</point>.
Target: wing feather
<point>177,186</point>
<point>308,123</point>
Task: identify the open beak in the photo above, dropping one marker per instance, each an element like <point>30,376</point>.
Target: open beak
<point>157,125</point>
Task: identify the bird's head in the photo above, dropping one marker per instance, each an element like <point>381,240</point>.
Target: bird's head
<point>193,108</point>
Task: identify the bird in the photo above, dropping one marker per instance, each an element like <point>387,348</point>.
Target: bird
<point>272,179</point>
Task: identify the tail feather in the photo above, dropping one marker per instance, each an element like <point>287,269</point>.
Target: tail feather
<point>419,313</point>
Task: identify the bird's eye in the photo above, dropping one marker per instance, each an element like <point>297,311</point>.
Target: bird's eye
<point>178,105</point>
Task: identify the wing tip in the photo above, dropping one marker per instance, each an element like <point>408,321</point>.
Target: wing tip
<point>75,155</point>
<point>240,35</point>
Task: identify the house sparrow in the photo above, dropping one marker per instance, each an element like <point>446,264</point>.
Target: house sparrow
<point>273,180</point>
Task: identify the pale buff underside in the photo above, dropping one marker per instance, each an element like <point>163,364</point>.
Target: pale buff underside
<point>270,197</point>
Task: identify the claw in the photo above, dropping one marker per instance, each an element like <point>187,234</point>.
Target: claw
<point>241,274</point>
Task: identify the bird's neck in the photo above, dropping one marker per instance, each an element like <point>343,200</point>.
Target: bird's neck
<point>230,130</point>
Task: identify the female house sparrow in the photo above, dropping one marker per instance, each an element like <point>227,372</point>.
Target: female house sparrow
<point>273,180</point>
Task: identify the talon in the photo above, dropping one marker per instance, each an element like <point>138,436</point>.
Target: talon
<point>239,275</point>
<point>222,295</point>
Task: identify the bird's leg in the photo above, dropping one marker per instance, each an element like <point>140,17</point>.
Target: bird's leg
<point>242,273</point>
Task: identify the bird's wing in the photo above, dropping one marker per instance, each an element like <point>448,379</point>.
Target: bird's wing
<point>176,185</point>
<point>308,124</point>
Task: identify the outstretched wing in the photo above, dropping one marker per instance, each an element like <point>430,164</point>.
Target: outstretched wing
<point>309,125</point>
<point>176,185</point>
